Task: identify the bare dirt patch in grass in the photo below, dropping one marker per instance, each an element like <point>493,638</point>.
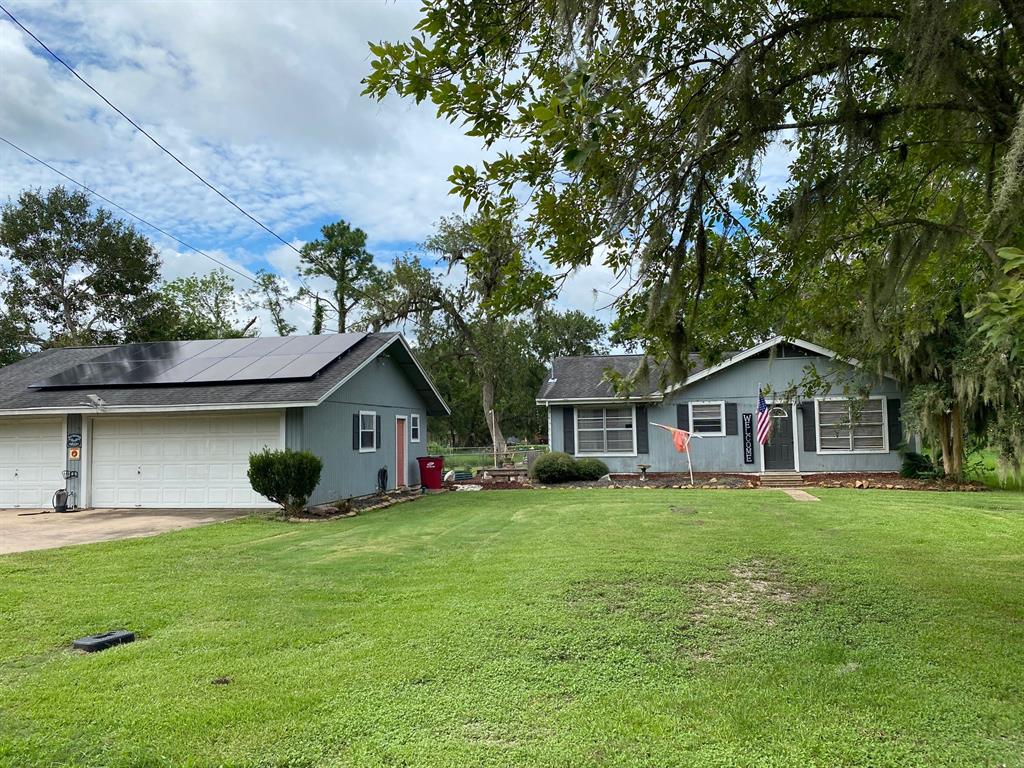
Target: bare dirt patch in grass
<point>755,596</point>
<point>698,619</point>
<point>754,589</point>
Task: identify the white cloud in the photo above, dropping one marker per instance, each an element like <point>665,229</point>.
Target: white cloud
<point>263,100</point>
<point>267,105</point>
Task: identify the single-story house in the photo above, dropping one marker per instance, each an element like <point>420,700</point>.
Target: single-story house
<point>827,433</point>
<point>172,424</point>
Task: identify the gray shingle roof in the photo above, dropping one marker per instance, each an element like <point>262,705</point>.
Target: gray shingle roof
<point>16,395</point>
<point>583,378</point>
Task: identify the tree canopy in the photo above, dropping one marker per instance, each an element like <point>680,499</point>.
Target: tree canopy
<point>201,307</point>
<point>638,133</point>
<point>341,257</point>
<point>73,275</point>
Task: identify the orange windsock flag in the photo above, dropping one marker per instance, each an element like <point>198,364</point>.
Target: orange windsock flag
<point>680,437</point>
<point>681,440</point>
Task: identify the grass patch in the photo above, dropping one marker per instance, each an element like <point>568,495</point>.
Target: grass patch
<point>592,627</point>
<point>986,460</point>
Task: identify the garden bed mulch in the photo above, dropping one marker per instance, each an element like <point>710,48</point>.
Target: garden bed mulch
<point>708,480</point>
<point>352,507</point>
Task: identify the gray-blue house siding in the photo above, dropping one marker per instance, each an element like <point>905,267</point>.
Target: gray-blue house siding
<point>725,394</point>
<point>382,388</point>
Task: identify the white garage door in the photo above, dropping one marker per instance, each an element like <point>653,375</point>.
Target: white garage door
<point>31,461</point>
<point>178,461</point>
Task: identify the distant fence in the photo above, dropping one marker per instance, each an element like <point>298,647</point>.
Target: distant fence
<point>475,457</point>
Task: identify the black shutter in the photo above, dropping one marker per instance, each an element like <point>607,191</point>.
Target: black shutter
<point>378,433</point>
<point>568,430</point>
<point>683,416</point>
<point>355,431</point>
<point>810,438</point>
<point>731,419</point>
<point>895,423</point>
<point>641,430</point>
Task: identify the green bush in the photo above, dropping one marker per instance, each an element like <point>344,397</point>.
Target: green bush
<point>917,465</point>
<point>590,469</point>
<point>554,467</point>
<point>286,477</point>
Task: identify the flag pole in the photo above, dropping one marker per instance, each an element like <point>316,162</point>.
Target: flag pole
<point>689,462</point>
<point>689,436</point>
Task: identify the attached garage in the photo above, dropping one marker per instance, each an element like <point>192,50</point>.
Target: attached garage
<point>31,462</point>
<point>179,461</point>
<point>173,424</point>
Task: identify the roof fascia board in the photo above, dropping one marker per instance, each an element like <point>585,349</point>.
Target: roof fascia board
<point>377,354</point>
<point>425,375</point>
<point>758,348</point>
<point>129,409</point>
<point>599,400</point>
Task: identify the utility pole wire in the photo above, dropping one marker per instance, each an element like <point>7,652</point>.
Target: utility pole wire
<point>145,133</point>
<point>121,208</point>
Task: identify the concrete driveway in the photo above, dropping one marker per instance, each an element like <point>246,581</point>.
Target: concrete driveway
<point>22,530</point>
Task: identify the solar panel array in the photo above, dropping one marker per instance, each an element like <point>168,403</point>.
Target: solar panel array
<point>206,362</point>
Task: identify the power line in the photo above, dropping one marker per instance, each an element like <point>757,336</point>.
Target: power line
<point>126,211</point>
<point>145,133</point>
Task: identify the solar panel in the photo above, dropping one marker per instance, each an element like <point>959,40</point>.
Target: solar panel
<point>220,370</point>
<point>206,362</point>
<point>263,367</point>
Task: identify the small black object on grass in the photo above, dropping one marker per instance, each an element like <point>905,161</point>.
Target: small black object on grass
<point>221,681</point>
<point>104,640</point>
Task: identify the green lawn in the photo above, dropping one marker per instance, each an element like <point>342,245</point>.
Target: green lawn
<point>555,628</point>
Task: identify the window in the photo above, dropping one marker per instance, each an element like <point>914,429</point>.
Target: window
<point>707,418</point>
<point>414,428</point>
<point>605,431</point>
<point>852,426</point>
<point>367,431</point>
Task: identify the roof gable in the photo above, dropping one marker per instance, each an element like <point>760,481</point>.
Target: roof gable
<point>581,379</point>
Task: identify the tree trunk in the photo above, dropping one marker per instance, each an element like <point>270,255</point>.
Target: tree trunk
<point>342,312</point>
<point>951,437</point>
<point>945,444</point>
<point>318,317</point>
<point>487,400</point>
<point>956,440</point>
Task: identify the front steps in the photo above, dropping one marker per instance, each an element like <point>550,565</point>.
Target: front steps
<point>782,480</point>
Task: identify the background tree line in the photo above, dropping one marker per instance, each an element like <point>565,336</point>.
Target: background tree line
<point>75,275</point>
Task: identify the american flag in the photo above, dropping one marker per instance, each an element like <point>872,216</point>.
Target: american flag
<point>764,420</point>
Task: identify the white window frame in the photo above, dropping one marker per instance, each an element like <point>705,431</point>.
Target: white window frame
<point>851,451</point>
<point>373,431</point>
<point>721,417</point>
<point>576,430</point>
<point>414,425</point>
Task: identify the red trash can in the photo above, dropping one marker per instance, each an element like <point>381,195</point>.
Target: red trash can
<point>431,472</point>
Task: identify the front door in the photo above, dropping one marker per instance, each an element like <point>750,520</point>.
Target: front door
<point>400,468</point>
<point>778,451</point>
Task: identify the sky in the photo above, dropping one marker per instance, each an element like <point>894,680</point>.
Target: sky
<point>261,99</point>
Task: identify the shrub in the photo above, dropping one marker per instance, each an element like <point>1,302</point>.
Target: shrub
<point>590,469</point>
<point>286,477</point>
<point>554,467</point>
<point>919,466</point>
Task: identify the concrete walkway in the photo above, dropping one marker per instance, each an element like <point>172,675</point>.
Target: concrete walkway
<point>799,495</point>
<point>22,530</point>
